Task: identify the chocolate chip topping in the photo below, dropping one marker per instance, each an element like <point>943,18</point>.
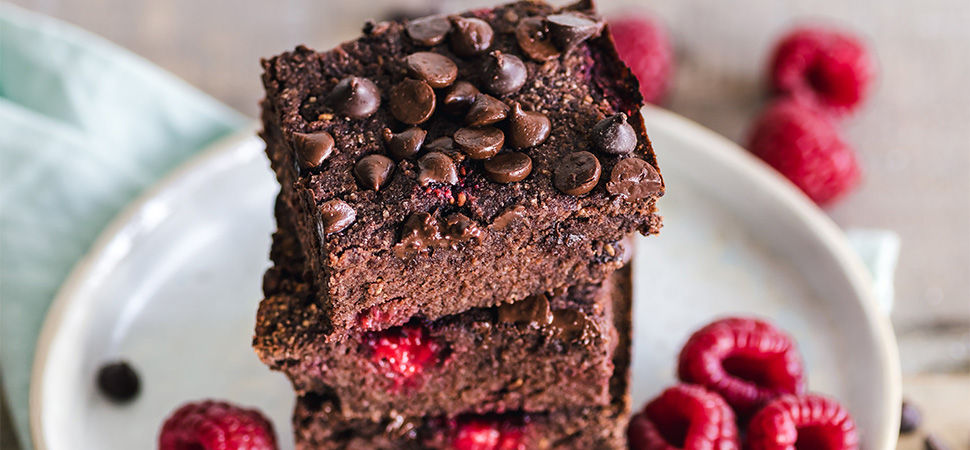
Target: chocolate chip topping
<point>486,110</point>
<point>470,36</point>
<point>507,217</point>
<point>404,144</point>
<point>532,312</point>
<point>634,179</point>
<point>479,143</point>
<point>412,101</point>
<point>527,128</point>
<point>569,29</point>
<point>504,74</point>
<point>373,171</point>
<point>422,231</point>
<point>508,167</point>
<point>436,167</point>
<point>460,97</point>
<point>533,38</point>
<point>614,135</point>
<point>118,381</point>
<point>572,325</point>
<point>313,149</point>
<point>435,69</point>
<point>336,215</point>
<point>355,97</point>
<point>459,228</point>
<point>441,144</point>
<point>577,173</point>
<point>428,31</point>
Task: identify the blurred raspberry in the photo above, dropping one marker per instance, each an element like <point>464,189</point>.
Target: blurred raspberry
<point>684,416</point>
<point>643,44</point>
<point>215,425</point>
<point>805,422</point>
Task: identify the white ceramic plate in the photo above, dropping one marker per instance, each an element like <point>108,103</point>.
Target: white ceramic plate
<point>173,285</point>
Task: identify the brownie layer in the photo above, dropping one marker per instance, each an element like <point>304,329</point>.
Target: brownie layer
<point>471,241</point>
<point>318,423</point>
<point>541,353</point>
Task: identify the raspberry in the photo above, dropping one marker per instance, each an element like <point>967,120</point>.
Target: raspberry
<point>806,148</point>
<point>684,416</point>
<point>747,361</point>
<point>806,423</point>
<point>215,425</point>
<point>402,352</point>
<point>643,44</point>
<point>481,433</point>
<point>826,67</point>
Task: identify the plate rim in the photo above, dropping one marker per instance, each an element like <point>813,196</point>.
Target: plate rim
<point>714,146</point>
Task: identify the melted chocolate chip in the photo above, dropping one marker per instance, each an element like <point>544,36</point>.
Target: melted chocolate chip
<point>534,39</point>
<point>435,69</point>
<point>504,74</point>
<point>532,312</point>
<point>436,167</point>
<point>614,135</point>
<point>459,228</point>
<point>634,179</point>
<point>336,215</point>
<point>571,28</point>
<point>508,167</point>
<point>508,217</point>
<point>460,97</point>
<point>404,144</point>
<point>373,171</point>
<point>428,31</point>
<point>479,143</point>
<point>420,231</point>
<point>527,128</point>
<point>313,149</point>
<point>486,110</point>
<point>572,325</point>
<point>412,101</point>
<point>118,381</point>
<point>355,97</point>
<point>577,173</point>
<point>470,36</point>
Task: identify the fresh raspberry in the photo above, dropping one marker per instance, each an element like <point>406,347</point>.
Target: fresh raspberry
<point>747,361</point>
<point>643,44</point>
<point>684,416</point>
<point>806,148</point>
<point>805,423</point>
<point>482,433</point>
<point>829,68</point>
<point>402,352</point>
<point>215,425</point>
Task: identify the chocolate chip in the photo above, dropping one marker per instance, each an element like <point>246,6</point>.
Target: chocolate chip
<point>614,135</point>
<point>373,171</point>
<point>933,442</point>
<point>508,216</point>
<point>460,97</point>
<point>428,31</point>
<point>412,101</point>
<point>479,143</point>
<point>118,381</point>
<point>436,167</point>
<point>336,215</point>
<point>504,74</point>
<point>572,325</point>
<point>910,419</point>
<point>435,69</point>
<point>527,128</point>
<point>508,167</point>
<point>534,39</point>
<point>571,28</point>
<point>634,179</point>
<point>355,97</point>
<point>459,228</point>
<point>470,36</point>
<point>577,173</point>
<point>419,231</point>
<point>486,110</point>
<point>532,312</point>
<point>404,144</point>
<point>313,149</point>
<point>441,144</point>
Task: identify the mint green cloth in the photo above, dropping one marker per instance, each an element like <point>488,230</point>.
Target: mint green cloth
<point>85,126</point>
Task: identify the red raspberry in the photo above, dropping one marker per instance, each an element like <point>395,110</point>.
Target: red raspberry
<point>479,433</point>
<point>826,67</point>
<point>806,148</point>
<point>684,416</point>
<point>806,423</point>
<point>747,361</point>
<point>214,425</point>
<point>402,352</point>
<point>643,44</point>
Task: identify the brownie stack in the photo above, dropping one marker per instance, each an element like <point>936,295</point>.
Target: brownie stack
<point>456,198</point>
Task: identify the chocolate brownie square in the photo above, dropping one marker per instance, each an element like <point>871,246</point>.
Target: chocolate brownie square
<point>455,162</point>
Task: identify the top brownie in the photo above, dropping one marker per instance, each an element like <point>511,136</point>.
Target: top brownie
<point>460,161</point>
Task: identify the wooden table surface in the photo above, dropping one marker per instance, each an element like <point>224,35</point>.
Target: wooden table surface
<point>913,137</point>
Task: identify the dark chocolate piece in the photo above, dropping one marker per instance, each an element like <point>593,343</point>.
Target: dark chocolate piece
<point>313,148</point>
<point>577,173</point>
<point>436,167</point>
<point>634,179</point>
<point>504,74</point>
<point>508,167</point>
<point>614,136</point>
<point>527,128</point>
<point>412,101</point>
<point>486,110</point>
<point>470,36</point>
<point>479,143</point>
<point>406,143</point>
<point>118,381</point>
<point>336,215</point>
<point>355,97</point>
<point>429,31</point>
<point>373,171</point>
<point>433,68</point>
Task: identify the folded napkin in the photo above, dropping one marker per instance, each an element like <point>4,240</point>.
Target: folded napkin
<point>85,127</point>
